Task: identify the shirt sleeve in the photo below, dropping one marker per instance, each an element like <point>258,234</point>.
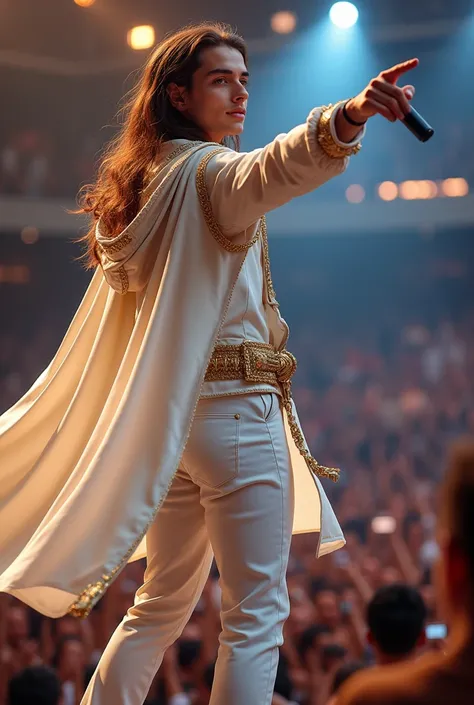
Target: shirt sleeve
<point>241,187</point>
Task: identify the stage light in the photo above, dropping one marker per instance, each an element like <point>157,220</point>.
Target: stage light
<point>14,274</point>
<point>388,191</point>
<point>410,190</point>
<point>422,189</point>
<point>454,188</point>
<point>428,189</point>
<point>283,22</point>
<point>29,235</point>
<point>355,193</point>
<point>84,3</point>
<point>343,14</point>
<point>142,37</point>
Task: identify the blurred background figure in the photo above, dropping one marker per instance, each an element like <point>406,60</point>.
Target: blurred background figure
<point>396,618</point>
<point>447,675</point>
<point>35,685</point>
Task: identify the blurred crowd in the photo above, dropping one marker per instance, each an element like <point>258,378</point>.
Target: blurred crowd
<point>35,163</point>
<point>381,400</point>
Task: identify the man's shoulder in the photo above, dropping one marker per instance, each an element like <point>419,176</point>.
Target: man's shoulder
<point>400,684</point>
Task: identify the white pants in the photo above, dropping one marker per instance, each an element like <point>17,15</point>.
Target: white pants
<point>232,497</point>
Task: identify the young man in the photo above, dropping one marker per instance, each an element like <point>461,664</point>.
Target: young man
<point>167,411</point>
<point>440,678</point>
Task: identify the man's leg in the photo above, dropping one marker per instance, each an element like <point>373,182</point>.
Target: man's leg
<point>239,455</point>
<point>179,559</point>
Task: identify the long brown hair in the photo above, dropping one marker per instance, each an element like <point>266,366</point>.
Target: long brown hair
<point>149,120</point>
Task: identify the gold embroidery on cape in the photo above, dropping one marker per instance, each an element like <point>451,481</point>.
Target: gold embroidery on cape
<point>123,279</point>
<point>206,208</point>
<point>282,365</point>
<point>326,140</point>
<point>89,597</point>
<point>82,607</point>
<point>127,235</point>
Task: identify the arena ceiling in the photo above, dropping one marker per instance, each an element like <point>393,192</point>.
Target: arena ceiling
<point>61,29</point>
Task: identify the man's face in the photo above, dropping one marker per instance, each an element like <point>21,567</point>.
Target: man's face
<point>327,608</point>
<point>17,625</point>
<point>218,92</point>
<point>72,658</point>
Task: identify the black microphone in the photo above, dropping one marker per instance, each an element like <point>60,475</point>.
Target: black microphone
<point>418,125</point>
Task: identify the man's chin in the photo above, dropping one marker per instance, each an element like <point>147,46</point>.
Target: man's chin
<point>235,130</point>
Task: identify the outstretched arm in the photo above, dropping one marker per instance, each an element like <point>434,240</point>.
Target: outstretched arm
<point>240,188</point>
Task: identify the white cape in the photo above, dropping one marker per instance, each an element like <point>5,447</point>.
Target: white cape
<point>89,452</point>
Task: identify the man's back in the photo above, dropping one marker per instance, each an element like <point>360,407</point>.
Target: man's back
<point>432,680</point>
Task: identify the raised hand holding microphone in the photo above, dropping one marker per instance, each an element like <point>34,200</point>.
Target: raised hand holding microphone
<point>382,96</point>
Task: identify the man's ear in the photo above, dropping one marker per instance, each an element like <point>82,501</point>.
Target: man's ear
<point>177,96</point>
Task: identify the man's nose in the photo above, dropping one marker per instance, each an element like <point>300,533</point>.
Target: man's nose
<point>242,94</point>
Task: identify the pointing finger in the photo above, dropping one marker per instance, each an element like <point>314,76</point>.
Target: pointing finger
<point>393,74</point>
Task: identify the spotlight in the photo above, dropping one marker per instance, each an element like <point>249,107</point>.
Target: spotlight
<point>29,235</point>
<point>343,14</point>
<point>84,3</point>
<point>142,37</point>
<point>410,190</point>
<point>283,22</point>
<point>388,191</point>
<point>355,193</point>
<point>455,187</point>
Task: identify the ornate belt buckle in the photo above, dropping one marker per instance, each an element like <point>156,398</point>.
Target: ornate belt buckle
<point>257,361</point>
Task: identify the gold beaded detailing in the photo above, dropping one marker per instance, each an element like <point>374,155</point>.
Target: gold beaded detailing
<point>312,463</point>
<point>260,362</point>
<point>206,208</point>
<point>127,235</point>
<point>116,246</point>
<point>89,597</point>
<point>326,140</point>
<point>266,263</point>
<point>123,279</point>
<point>285,385</point>
<point>254,362</point>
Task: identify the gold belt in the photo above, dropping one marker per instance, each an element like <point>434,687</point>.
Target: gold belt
<point>260,362</point>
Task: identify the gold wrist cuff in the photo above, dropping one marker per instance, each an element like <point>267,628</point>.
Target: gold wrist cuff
<point>326,140</point>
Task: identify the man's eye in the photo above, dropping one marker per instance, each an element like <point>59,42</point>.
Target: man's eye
<point>218,80</point>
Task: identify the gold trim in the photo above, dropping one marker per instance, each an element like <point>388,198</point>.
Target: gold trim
<point>117,246</point>
<point>126,236</point>
<point>260,362</point>
<point>326,140</point>
<point>207,211</point>
<point>266,263</point>
<point>250,361</point>
<point>312,463</point>
<point>182,148</point>
<point>89,597</point>
<point>123,279</point>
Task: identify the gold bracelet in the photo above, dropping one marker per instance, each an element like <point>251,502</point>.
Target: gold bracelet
<point>326,140</point>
